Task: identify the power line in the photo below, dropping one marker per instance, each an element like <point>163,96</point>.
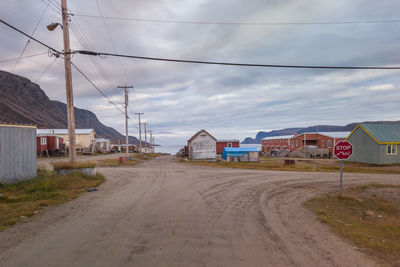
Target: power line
<point>30,37</point>
<point>111,39</point>
<point>84,43</point>
<point>241,64</point>
<point>91,53</point>
<point>29,40</point>
<point>98,89</point>
<point>19,58</point>
<point>45,70</point>
<point>241,23</point>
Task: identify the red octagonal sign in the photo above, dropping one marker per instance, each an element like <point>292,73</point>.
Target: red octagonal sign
<point>343,150</point>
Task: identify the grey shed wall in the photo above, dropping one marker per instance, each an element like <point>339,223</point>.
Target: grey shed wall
<point>17,153</point>
<point>203,146</point>
<point>367,150</point>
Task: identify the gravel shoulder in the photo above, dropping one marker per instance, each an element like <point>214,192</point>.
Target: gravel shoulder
<point>165,213</point>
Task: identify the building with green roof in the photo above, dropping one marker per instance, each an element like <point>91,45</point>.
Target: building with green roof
<point>375,143</point>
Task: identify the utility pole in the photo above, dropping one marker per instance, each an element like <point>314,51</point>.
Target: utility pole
<point>151,141</point>
<point>140,132</point>
<point>126,118</point>
<point>145,134</point>
<point>68,83</point>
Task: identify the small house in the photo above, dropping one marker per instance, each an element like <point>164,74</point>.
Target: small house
<point>84,138</point>
<point>103,145</point>
<point>17,152</point>
<point>221,144</point>
<point>240,154</point>
<point>49,145</point>
<point>375,143</point>
<point>202,146</point>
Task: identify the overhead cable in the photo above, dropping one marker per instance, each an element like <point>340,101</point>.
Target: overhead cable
<point>86,52</point>
<point>29,40</point>
<point>30,37</point>
<point>98,89</point>
<point>241,23</point>
<point>18,58</point>
<point>241,64</point>
<point>45,70</point>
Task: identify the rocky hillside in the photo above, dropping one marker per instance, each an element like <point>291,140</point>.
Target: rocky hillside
<point>316,128</point>
<point>25,102</point>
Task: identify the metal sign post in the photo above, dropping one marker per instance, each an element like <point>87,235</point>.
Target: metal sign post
<point>342,150</point>
<point>341,177</point>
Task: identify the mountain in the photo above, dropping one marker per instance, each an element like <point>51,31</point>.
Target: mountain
<point>316,128</point>
<point>22,101</point>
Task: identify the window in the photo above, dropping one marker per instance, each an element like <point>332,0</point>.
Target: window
<point>43,140</point>
<point>297,142</point>
<point>329,143</point>
<point>292,143</point>
<point>229,144</point>
<point>391,150</point>
<point>323,143</point>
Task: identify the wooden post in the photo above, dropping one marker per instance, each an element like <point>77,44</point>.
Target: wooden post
<point>140,132</point>
<point>126,118</point>
<point>68,82</point>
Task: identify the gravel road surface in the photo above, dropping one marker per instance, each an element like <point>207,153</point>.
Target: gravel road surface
<point>166,213</point>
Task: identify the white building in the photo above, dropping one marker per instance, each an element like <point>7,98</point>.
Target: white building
<point>202,146</point>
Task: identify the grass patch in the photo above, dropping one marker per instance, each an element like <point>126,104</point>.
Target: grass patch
<point>262,165</point>
<point>115,163</point>
<point>24,199</point>
<point>75,165</point>
<point>306,165</point>
<point>146,156</point>
<point>368,216</point>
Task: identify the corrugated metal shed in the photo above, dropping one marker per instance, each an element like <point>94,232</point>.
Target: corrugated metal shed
<point>17,152</point>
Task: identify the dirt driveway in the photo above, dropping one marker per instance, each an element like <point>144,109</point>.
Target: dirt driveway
<point>165,213</point>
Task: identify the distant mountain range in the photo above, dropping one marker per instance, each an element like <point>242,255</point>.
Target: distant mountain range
<point>22,101</point>
<point>316,128</point>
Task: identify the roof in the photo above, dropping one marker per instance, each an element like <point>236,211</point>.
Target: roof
<point>63,131</point>
<point>382,133</point>
<point>18,125</point>
<point>240,149</point>
<point>228,141</point>
<point>102,140</point>
<point>201,131</point>
<point>278,137</point>
<point>329,134</point>
<point>47,134</point>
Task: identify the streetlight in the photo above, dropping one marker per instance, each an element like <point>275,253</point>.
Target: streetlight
<point>68,79</point>
<point>52,26</point>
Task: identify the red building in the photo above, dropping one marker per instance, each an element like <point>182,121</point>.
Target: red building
<point>276,143</point>
<point>49,144</point>
<point>226,143</point>
<point>317,140</point>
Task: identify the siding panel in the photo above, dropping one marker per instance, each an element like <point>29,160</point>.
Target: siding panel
<point>17,153</point>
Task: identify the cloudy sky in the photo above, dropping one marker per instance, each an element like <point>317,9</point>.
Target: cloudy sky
<point>178,99</point>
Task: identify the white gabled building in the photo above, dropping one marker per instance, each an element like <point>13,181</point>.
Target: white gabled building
<point>202,146</point>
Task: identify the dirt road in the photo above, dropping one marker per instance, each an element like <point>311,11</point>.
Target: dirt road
<point>165,213</point>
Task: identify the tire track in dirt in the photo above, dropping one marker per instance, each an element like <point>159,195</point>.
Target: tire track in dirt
<point>165,213</point>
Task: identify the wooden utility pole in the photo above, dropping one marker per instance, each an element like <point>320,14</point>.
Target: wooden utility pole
<point>126,118</point>
<point>140,132</point>
<point>68,83</point>
<point>145,135</point>
<point>151,141</point>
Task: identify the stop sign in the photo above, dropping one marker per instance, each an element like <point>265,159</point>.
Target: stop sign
<point>343,150</point>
